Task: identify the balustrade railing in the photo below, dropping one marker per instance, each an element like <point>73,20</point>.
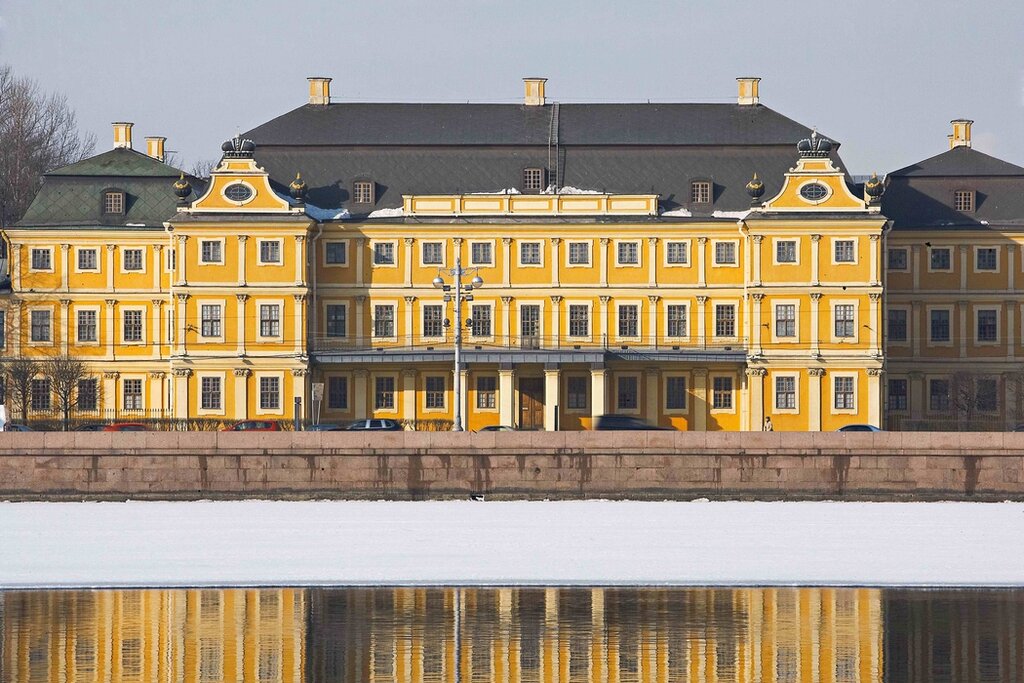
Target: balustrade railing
<point>529,342</point>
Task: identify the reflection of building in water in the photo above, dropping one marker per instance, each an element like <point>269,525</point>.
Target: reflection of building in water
<point>962,637</point>
<point>594,635</point>
<point>154,636</point>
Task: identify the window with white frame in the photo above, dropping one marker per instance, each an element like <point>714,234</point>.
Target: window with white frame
<point>628,253</point>
<point>337,393</point>
<point>898,394</point>
<point>335,253</point>
<point>39,394</point>
<point>785,251</point>
<point>845,251</point>
<point>87,394</point>
<point>988,325</point>
<point>676,253</point>
<point>384,254</point>
<point>210,393</point>
<point>579,320</point>
<point>896,325</point>
<point>721,396</point>
<point>785,392</point>
<point>963,200</point>
<point>41,259</point>
<point>629,315</point>
<point>843,390</point>
<point>481,317</point>
<point>938,395</point>
<point>384,393</point>
<point>677,322</point>
<point>432,321</point>
<point>132,259</point>
<point>844,322</point>
<point>432,253</point>
<point>337,323</point>
<point>579,253</point>
<point>172,259</point>
<point>529,253</point>
<point>434,393</point>
<point>897,259</point>
<point>362,192</point>
<point>675,393</point>
<point>86,326</point>
<point>113,202</point>
<point>40,322</point>
<point>700,192</point>
<point>938,327</point>
<point>270,320</point>
<point>627,394</point>
<point>725,320</point>
<point>132,325</point>
<point>986,259</point>
<point>725,253</point>
<point>486,392</point>
<point>87,259</point>
<point>533,179</point>
<point>270,251</point>
<point>383,321</point>
<point>131,393</point>
<point>270,392</point>
<point>209,323</point>
<point>211,251</point>
<point>481,254</point>
<point>940,258</point>
<point>577,393</point>
<point>785,320</point>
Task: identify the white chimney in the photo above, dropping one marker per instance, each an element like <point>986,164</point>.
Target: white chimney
<point>748,90</point>
<point>319,90</point>
<point>155,147</point>
<point>123,134</point>
<point>534,91</point>
<point>961,136</point>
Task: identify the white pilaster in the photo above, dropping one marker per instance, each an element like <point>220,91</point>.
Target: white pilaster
<point>876,322</point>
<point>604,334</point>
<point>875,397</point>
<point>410,320</point>
<point>181,261</point>
<point>110,340</point>
<point>700,400</point>
<point>652,394</point>
<point>757,239</point>
<point>65,261</point>
<point>551,398</point>
<point>158,267</point>
<point>408,261</point>
<point>755,331</point>
<point>182,347</point>
<point>598,393</point>
<point>815,325</point>
<point>755,382</point>
<point>814,409</point>
<point>300,265</point>
<point>652,261</point>
<point>360,314</point>
<point>360,243</point>
<point>652,319</point>
<point>875,241</point>
<point>506,396</point>
<point>181,401</point>
<point>110,267</point>
<point>962,307</point>
<point>506,319</point>
<point>409,395</point>
<point>156,339</point>
<point>240,334</point>
<point>506,263</point>
<point>702,320</point>
<point>702,247</point>
<point>64,329</point>
<point>916,265</point>
<point>556,320</point>
<point>604,261</point>
<point>556,263</point>
<point>242,393</point>
<point>300,320</point>
<point>360,396</point>
<point>815,249</point>
<point>243,240</point>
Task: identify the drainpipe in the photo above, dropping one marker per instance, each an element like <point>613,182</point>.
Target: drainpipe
<point>169,391</point>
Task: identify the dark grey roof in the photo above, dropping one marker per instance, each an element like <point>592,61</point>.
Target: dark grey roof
<point>960,161</point>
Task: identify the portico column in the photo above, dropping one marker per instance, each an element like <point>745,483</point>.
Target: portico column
<point>242,240</point>
<point>916,395</point>
<point>555,263</point>
<point>506,319</point>
<point>65,251</point>
<point>814,376</point>
<point>242,393</point>
<point>506,396</point>
<point>652,394</point>
<point>875,397</point>
<point>360,399</point>
<point>700,400</point>
<point>815,325</point>
<point>551,396</point>
<point>556,319</point>
<point>598,392</point>
<point>652,261</point>
<point>506,261</point>
<point>408,261</point>
<point>181,376</point>
<point>111,340</point>
<point>65,325</point>
<point>652,319</point>
<point>755,381</point>
<point>240,312</point>
<point>815,243</point>
<point>409,396</point>
<point>702,277</point>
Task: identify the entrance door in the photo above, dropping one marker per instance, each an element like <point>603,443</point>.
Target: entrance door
<point>529,326</point>
<point>531,403</point>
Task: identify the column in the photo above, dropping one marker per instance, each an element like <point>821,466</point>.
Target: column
<point>756,266</point>
<point>604,320</point>
<point>360,243</point>
<point>300,320</point>
<point>916,398</point>
<point>156,340</point>
<point>815,326</point>
<point>299,389</point>
<point>963,249</point>
<point>65,250</point>
<point>755,332</point>
<point>182,347</point>
<point>876,322</point>
<point>814,376</point>
<point>755,380</point>
<point>556,319</point>
<point>158,266</point>
<point>409,396</point>
<point>652,261</point>
<point>242,393</point>
<point>359,316</point>
<point>916,265</point>
<point>652,319</point>
<point>604,262</point>
<point>110,390</point>
<point>180,261</point>
<point>242,241</point>
<point>408,261</point>
<point>873,279</point>
<point>652,394</point>
<point>1010,380</point>
<point>815,244</point>
<point>962,309</point>
<point>360,397</point>
<point>506,261</point>
<point>110,340</point>
<point>64,325</point>
<point>700,400</point>
<point>410,319</point>
<point>110,267</point>
<point>598,392</point>
<point>702,321</point>
<point>702,247</point>
<point>240,300</point>
<point>506,395</point>
<point>555,261</point>
<point>875,397</point>
<point>551,397</point>
<point>300,260</point>
<point>156,393</point>
<point>506,319</point>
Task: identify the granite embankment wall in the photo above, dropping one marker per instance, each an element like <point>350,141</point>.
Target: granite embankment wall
<point>536,465</point>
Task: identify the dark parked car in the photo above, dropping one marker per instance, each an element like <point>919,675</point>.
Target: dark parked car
<point>254,426</point>
<point>92,427</point>
<point>626,422</point>
<point>15,427</point>
<point>375,426</point>
<point>325,427</point>
<point>126,427</point>
<point>859,428</point>
<point>497,428</point>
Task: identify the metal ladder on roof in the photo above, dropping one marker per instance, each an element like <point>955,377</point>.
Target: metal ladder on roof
<point>553,142</point>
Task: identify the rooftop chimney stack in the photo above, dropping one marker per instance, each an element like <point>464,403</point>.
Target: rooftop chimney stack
<point>961,136</point>
<point>155,147</point>
<point>534,92</point>
<point>319,90</point>
<point>123,135</point>
<point>748,90</point>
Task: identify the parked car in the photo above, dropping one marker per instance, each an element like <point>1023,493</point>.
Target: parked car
<point>858,428</point>
<point>375,426</point>
<point>254,426</point>
<point>626,422</point>
<point>126,427</point>
<point>91,427</point>
<point>497,428</point>
<point>1019,428</point>
<point>16,427</point>
<point>326,427</point>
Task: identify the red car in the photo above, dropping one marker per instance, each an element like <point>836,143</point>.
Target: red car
<point>254,426</point>
<point>126,427</point>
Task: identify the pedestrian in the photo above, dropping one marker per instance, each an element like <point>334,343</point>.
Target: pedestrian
<point>768,424</point>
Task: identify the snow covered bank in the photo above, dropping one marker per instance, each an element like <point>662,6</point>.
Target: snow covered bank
<point>468,542</point>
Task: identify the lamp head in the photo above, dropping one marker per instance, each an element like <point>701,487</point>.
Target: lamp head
<point>438,282</point>
<point>477,281</point>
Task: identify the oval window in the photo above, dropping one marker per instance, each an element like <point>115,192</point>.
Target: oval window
<point>238,192</point>
<point>813,192</point>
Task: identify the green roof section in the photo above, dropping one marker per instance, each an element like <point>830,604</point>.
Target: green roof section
<point>119,162</point>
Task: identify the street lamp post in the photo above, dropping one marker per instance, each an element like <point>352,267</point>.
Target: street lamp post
<point>458,293</point>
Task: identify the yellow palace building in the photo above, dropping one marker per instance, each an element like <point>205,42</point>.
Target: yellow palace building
<point>699,266</point>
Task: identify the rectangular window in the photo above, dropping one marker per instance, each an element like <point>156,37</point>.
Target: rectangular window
<point>897,259</point>
<point>675,393</point>
<point>362,192</point>
<point>336,253</point>
<point>131,390</point>
<point>938,395</point>
<point>843,393</point>
<point>383,321</point>
<point>721,398</point>
<point>529,326</point>
<point>486,392</point>
<point>384,254</point>
<point>896,330</point>
<point>529,253</point>
<point>628,253</point>
<point>963,200</point>
<point>132,259</point>
<point>785,251</point>
<point>86,327</point>
<point>700,192</point>
<point>986,394</point>
<point>677,323</point>
<point>39,321</point>
<point>785,392</point>
<point>628,321</point>
<point>481,326</point>
<point>579,320</point>
<point>270,393</point>
<point>209,320</point>
<point>132,322</point>
<point>42,259</point>
<point>940,258</point>
<point>676,253</point>
<point>39,395</point>
<point>210,393</point>
<point>939,328</point>
<point>626,396</point>
<point>845,252</point>
<point>434,394</point>
<point>87,394</point>
<point>725,253</point>
<point>270,320</point>
<point>725,320</point>
<point>113,202</point>
<point>337,325</point>
<point>210,251</point>
<point>432,323</point>
<point>898,394</point>
<point>785,320</point>
<point>432,253</point>
<point>384,393</point>
<point>172,259</point>
<point>480,253</point>
<point>577,393</point>
<point>270,251</point>
<point>337,393</point>
<point>987,325</point>
<point>844,320</point>
<point>87,259</point>
<point>579,253</point>
<point>533,179</point>
<point>986,259</point>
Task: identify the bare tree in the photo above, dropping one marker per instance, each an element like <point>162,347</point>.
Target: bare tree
<point>964,398</point>
<point>203,167</point>
<point>38,133</point>
<point>65,372</point>
<point>19,372</point>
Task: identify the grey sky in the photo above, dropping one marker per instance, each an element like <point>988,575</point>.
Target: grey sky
<point>882,76</point>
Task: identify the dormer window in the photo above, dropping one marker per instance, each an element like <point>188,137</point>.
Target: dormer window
<point>362,192</point>
<point>963,200</point>
<point>700,192</point>
<point>533,179</point>
<point>113,202</point>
